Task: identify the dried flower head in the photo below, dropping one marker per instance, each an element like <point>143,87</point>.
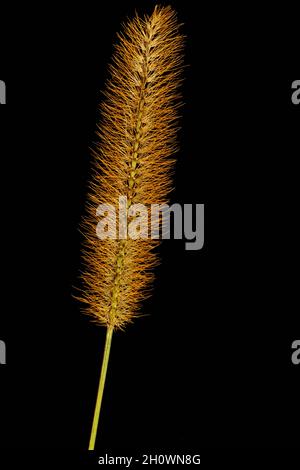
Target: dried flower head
<point>134,158</point>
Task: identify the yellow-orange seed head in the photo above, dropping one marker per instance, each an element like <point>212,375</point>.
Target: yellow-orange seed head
<point>134,158</point>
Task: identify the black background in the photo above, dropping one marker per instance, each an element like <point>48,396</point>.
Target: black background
<point>209,366</point>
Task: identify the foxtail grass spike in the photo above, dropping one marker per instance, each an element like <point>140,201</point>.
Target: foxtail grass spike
<point>134,158</point>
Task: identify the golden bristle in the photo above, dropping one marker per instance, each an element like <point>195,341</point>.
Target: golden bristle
<point>137,139</point>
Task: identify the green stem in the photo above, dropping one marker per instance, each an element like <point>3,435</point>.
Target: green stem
<point>101,387</point>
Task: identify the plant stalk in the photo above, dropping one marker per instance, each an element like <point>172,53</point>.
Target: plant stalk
<point>105,360</point>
